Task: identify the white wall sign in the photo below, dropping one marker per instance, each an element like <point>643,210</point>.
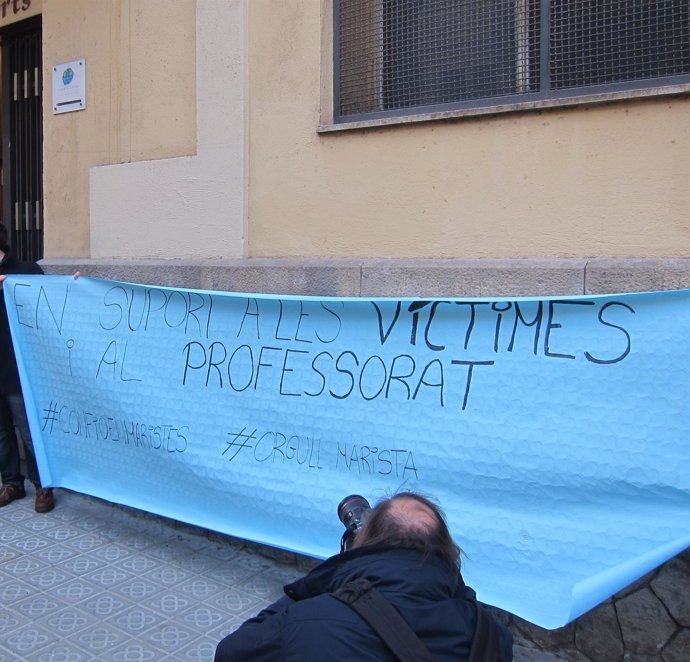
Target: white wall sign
<point>69,86</point>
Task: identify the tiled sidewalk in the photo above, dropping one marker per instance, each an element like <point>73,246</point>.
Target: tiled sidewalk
<point>93,581</point>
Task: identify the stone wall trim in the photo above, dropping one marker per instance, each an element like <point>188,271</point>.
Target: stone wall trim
<point>481,277</point>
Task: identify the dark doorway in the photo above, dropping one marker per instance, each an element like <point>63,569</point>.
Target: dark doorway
<point>22,138</point>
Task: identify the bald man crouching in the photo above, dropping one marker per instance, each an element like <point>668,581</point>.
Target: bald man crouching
<point>396,594</point>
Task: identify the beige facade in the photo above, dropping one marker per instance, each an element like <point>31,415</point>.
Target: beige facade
<point>601,181</point>
<point>201,140</point>
<point>140,77</point>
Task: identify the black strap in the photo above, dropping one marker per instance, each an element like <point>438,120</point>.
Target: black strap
<point>384,619</point>
<point>399,637</point>
<point>485,641</point>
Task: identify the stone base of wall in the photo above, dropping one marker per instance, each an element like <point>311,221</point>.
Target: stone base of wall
<point>395,278</point>
<point>649,621</point>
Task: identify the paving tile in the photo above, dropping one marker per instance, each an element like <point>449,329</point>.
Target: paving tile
<point>199,563</point>
<point>67,621</point>
<point>87,542</point>
<point>66,513</point>
<point>136,620</point>
<point>168,603</point>
<point>137,564</point>
<point>222,552</point>
<point>170,552</point>
<point>36,525</point>
<point>11,533</point>
<point>24,643</point>
<point>194,542</point>
<point>201,617</point>
<point>11,620</point>
<point>110,552</point>
<point>133,651</point>
<point>99,639</point>
<point>14,515</point>
<point>28,544</point>
<point>23,565</point>
<point>56,553</point>
<point>12,590</point>
<point>230,574</point>
<point>136,589</point>
<point>8,554</point>
<point>76,590</point>
<point>160,531</point>
<point>82,564</point>
<point>62,653</point>
<point>104,605</point>
<point>35,606</point>
<point>109,576</point>
<point>234,602</point>
<point>48,578</point>
<point>95,582</point>
<point>89,523</point>
<point>63,532</point>
<point>200,650</point>
<point>249,559</point>
<point>268,584</point>
<point>138,530</point>
<point>167,574</point>
<point>134,540</point>
<point>170,637</point>
<point>200,588</point>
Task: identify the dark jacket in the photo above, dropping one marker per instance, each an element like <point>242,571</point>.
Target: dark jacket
<point>308,625</point>
<point>9,378</point>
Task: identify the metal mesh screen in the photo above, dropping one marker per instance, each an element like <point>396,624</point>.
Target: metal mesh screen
<point>595,42</point>
<point>396,56</point>
<point>406,53</point>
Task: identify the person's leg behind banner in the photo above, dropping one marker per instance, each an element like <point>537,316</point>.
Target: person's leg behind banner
<point>44,496</point>
<point>10,467</point>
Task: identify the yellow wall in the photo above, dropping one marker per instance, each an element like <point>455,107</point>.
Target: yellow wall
<point>601,181</point>
<point>140,89</point>
<point>246,101</point>
<point>190,207</point>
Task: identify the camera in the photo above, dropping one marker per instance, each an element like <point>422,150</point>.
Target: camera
<point>353,511</point>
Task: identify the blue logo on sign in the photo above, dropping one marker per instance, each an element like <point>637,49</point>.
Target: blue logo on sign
<point>67,76</point>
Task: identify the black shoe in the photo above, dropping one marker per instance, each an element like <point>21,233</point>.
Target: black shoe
<point>11,492</point>
<point>44,500</point>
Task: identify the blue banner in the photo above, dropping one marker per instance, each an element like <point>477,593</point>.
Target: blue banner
<point>554,432</point>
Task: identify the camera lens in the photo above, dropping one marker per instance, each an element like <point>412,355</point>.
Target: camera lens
<point>351,511</point>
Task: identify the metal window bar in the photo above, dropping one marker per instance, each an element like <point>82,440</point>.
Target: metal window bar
<point>396,57</point>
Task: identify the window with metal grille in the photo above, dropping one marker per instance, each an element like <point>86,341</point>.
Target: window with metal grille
<point>401,57</point>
